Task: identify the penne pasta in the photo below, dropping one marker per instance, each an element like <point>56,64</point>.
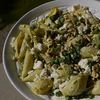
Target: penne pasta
<point>22,50</point>
<point>18,43</point>
<point>26,30</point>
<point>28,64</point>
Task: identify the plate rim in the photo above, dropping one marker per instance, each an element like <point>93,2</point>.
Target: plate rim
<point>10,32</point>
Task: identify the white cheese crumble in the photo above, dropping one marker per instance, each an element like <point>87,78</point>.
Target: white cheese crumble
<point>63,27</point>
<point>61,55</point>
<point>65,35</point>
<point>12,42</point>
<point>19,68</point>
<point>55,91</point>
<point>39,46</point>
<point>29,84</point>
<point>58,37</point>
<point>38,64</point>
<point>70,9</point>
<point>54,74</point>
<point>98,52</point>
<point>87,70</point>
<point>58,98</point>
<point>83,63</point>
<point>32,51</point>
<point>95,58</point>
<point>44,97</point>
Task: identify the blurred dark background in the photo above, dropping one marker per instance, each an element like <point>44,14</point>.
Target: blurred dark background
<point>12,10</point>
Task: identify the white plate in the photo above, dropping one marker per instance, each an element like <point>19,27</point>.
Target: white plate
<point>10,66</point>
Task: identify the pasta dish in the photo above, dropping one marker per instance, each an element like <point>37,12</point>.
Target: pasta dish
<point>59,54</point>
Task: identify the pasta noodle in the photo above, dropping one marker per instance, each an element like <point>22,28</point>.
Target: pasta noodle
<point>18,43</point>
<point>28,64</point>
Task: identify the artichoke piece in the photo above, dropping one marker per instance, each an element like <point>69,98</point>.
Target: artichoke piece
<point>28,64</point>
<point>88,52</point>
<point>42,86</point>
<point>96,89</point>
<point>75,86</point>
<point>96,40</point>
<point>64,71</point>
<point>61,74</point>
<point>32,76</point>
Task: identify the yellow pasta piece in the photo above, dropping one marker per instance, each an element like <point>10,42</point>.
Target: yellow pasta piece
<point>32,76</point>
<point>28,64</point>
<point>22,50</point>
<point>18,43</point>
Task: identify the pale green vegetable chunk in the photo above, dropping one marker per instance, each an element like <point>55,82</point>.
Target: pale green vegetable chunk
<point>32,76</point>
<point>42,86</point>
<point>75,86</point>
<point>28,64</point>
<point>96,89</point>
<point>64,71</point>
<point>88,52</point>
<point>61,74</point>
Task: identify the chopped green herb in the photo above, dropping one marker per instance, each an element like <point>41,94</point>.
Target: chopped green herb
<point>58,93</point>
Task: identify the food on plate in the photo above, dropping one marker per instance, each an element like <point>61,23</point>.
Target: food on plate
<point>59,53</point>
